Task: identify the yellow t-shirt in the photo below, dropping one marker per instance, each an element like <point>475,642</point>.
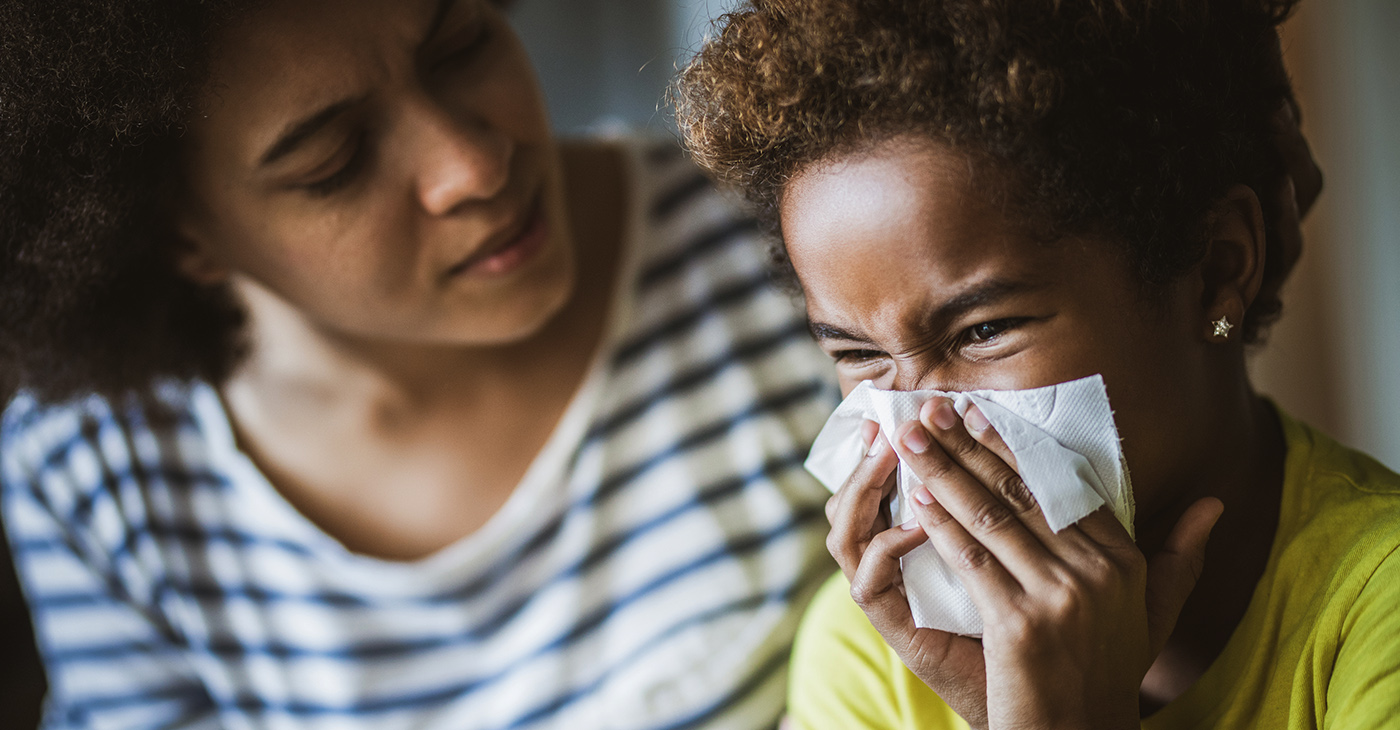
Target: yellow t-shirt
<point>1318,647</point>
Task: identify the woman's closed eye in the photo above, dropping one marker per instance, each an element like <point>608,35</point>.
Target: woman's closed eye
<point>465,49</point>
<point>355,154</point>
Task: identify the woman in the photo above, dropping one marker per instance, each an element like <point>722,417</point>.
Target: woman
<point>349,400</point>
<point>1009,195</point>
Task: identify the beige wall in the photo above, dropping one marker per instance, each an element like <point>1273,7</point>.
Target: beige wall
<point>1332,360</point>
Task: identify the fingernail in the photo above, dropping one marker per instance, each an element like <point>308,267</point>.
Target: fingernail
<point>916,439</point>
<point>875,446</point>
<point>976,421</point>
<point>923,496</point>
<point>944,416</point>
<point>910,526</point>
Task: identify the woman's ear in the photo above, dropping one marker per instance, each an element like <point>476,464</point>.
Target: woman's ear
<point>191,247</point>
<point>1233,268</point>
<point>194,258</point>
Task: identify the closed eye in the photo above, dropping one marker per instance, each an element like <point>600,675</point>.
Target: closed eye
<point>467,50</point>
<point>856,356</point>
<point>343,176</point>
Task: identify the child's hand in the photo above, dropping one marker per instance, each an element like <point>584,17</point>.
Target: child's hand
<point>868,551</point>
<point>1071,621</point>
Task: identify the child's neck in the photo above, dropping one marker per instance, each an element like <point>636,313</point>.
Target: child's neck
<point>1247,475</point>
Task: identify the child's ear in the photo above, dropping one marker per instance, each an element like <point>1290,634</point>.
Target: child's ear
<point>1233,268</point>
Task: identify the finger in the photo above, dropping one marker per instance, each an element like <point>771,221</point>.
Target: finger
<point>984,515</point>
<point>869,430</point>
<point>1172,573</point>
<point>986,579</point>
<point>1104,531</point>
<point>994,470</point>
<point>857,508</point>
<point>953,665</point>
<point>875,583</point>
<point>986,434</point>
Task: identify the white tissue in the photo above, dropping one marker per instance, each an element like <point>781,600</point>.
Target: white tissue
<point>1066,447</point>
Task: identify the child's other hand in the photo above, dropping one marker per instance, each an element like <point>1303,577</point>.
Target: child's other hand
<point>1072,621</point>
<point>868,550</point>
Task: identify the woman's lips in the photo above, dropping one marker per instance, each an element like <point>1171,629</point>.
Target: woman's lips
<point>511,255</point>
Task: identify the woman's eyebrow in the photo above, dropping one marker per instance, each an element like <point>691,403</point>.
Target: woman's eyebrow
<point>296,133</point>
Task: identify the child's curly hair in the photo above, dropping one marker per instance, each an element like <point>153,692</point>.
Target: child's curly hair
<point>1129,118</point>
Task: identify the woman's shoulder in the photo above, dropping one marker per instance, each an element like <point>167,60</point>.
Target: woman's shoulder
<point>73,448</point>
<point>699,294</point>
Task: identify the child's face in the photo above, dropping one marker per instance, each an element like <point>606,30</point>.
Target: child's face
<point>914,280</point>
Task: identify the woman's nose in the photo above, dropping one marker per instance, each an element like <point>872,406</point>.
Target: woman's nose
<point>459,160</point>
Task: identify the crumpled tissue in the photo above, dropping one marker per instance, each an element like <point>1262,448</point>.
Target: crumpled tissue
<point>1067,451</point>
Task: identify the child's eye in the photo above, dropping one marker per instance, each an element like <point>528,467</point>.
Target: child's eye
<point>854,357</point>
<point>988,331</point>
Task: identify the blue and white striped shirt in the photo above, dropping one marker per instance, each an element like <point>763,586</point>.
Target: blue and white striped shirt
<point>647,572</point>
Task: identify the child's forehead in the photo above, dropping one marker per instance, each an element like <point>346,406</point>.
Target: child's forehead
<point>899,206</point>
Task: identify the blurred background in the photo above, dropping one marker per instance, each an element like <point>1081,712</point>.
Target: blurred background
<point>1334,359</point>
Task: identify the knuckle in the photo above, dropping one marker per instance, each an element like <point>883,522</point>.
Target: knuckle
<point>862,593</point>
<point>973,557</point>
<point>831,509</point>
<point>838,548</point>
<point>991,517</point>
<point>1016,626</point>
<point>1134,563</point>
<point>1012,490</point>
<point>963,445</point>
<point>1064,603</point>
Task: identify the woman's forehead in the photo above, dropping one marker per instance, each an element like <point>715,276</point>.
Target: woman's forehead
<point>288,60</point>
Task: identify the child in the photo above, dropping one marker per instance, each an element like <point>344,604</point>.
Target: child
<point>994,194</point>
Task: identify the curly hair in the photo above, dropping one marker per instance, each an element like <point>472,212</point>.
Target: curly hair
<point>93,98</point>
<point>1125,118</point>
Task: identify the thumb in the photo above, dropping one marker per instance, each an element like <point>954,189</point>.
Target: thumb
<point>1172,573</point>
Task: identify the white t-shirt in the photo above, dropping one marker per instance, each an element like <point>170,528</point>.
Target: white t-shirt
<point>648,571</point>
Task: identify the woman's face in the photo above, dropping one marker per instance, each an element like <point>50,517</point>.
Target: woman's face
<point>385,167</point>
<point>915,280</point>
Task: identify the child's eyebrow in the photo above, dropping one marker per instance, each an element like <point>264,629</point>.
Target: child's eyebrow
<point>979,295</point>
<point>823,331</point>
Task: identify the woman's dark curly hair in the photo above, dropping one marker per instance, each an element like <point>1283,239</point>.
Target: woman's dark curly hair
<point>94,95</point>
<point>1126,118</point>
<point>93,98</point>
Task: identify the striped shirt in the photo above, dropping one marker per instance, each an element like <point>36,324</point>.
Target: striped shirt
<point>647,572</point>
